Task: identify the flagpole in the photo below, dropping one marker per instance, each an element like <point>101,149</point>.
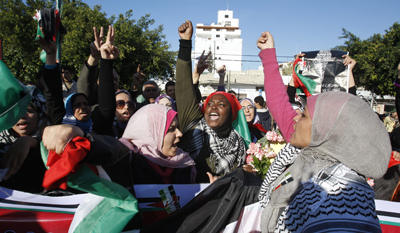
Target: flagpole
<point>58,57</point>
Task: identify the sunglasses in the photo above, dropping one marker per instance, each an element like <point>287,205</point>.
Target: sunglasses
<point>121,104</point>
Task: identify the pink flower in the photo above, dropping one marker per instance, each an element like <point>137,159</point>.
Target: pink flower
<point>271,136</point>
<point>249,159</point>
<point>280,138</point>
<point>253,148</point>
<point>271,154</point>
<point>259,154</point>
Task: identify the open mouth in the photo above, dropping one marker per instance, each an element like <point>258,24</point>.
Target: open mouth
<point>214,116</point>
<point>126,114</point>
<point>22,125</point>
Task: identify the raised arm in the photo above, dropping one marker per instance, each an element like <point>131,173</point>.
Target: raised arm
<point>186,101</point>
<point>221,72</point>
<point>200,67</point>
<point>348,61</point>
<point>52,83</point>
<point>137,81</point>
<point>275,91</point>
<point>87,78</point>
<point>109,53</point>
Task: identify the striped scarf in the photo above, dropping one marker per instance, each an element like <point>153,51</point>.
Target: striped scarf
<point>285,157</point>
<point>226,154</point>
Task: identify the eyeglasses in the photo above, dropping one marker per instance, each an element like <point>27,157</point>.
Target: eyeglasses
<point>121,104</point>
<point>249,107</point>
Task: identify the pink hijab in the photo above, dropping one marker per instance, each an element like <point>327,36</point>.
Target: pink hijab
<point>145,133</point>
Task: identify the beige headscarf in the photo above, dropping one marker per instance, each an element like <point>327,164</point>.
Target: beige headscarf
<point>344,129</point>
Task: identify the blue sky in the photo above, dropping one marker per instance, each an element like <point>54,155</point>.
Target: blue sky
<point>302,25</point>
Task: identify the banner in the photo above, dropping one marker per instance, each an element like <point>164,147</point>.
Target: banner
<point>325,67</point>
<point>24,212</point>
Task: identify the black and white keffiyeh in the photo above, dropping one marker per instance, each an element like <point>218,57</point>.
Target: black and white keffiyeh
<point>225,153</point>
<point>336,198</point>
<point>285,157</point>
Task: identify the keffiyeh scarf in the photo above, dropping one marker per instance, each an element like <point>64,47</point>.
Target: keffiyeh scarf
<point>285,157</point>
<point>225,153</point>
<point>336,198</point>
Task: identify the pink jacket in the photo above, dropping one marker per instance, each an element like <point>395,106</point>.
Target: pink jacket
<point>276,95</point>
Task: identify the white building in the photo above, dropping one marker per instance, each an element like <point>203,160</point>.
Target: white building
<point>222,39</point>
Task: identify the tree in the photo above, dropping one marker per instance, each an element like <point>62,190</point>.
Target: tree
<point>377,59</point>
<point>79,19</point>
<point>18,30</point>
<point>138,44</point>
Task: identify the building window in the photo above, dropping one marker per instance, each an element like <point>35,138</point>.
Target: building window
<point>219,58</point>
<point>206,29</point>
<point>226,16</point>
<point>217,47</point>
<point>217,36</point>
<point>230,30</point>
<point>209,38</point>
<point>228,23</point>
<point>218,30</point>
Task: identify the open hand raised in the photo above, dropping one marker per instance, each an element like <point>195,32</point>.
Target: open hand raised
<point>47,45</point>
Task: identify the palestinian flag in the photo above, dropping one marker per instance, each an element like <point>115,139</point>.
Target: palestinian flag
<point>50,21</point>
<point>109,208</point>
<point>306,84</point>
<point>241,126</point>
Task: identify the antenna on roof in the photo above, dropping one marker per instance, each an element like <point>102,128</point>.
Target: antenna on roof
<point>227,5</point>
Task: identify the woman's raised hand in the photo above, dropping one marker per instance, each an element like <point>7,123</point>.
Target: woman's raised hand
<point>108,50</point>
<point>266,41</point>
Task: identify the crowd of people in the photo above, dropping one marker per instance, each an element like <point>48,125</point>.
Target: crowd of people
<point>142,136</point>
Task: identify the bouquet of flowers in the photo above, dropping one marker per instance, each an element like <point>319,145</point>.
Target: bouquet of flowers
<point>260,155</point>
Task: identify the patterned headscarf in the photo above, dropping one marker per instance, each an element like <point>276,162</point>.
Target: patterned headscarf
<point>168,97</point>
<point>69,117</point>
